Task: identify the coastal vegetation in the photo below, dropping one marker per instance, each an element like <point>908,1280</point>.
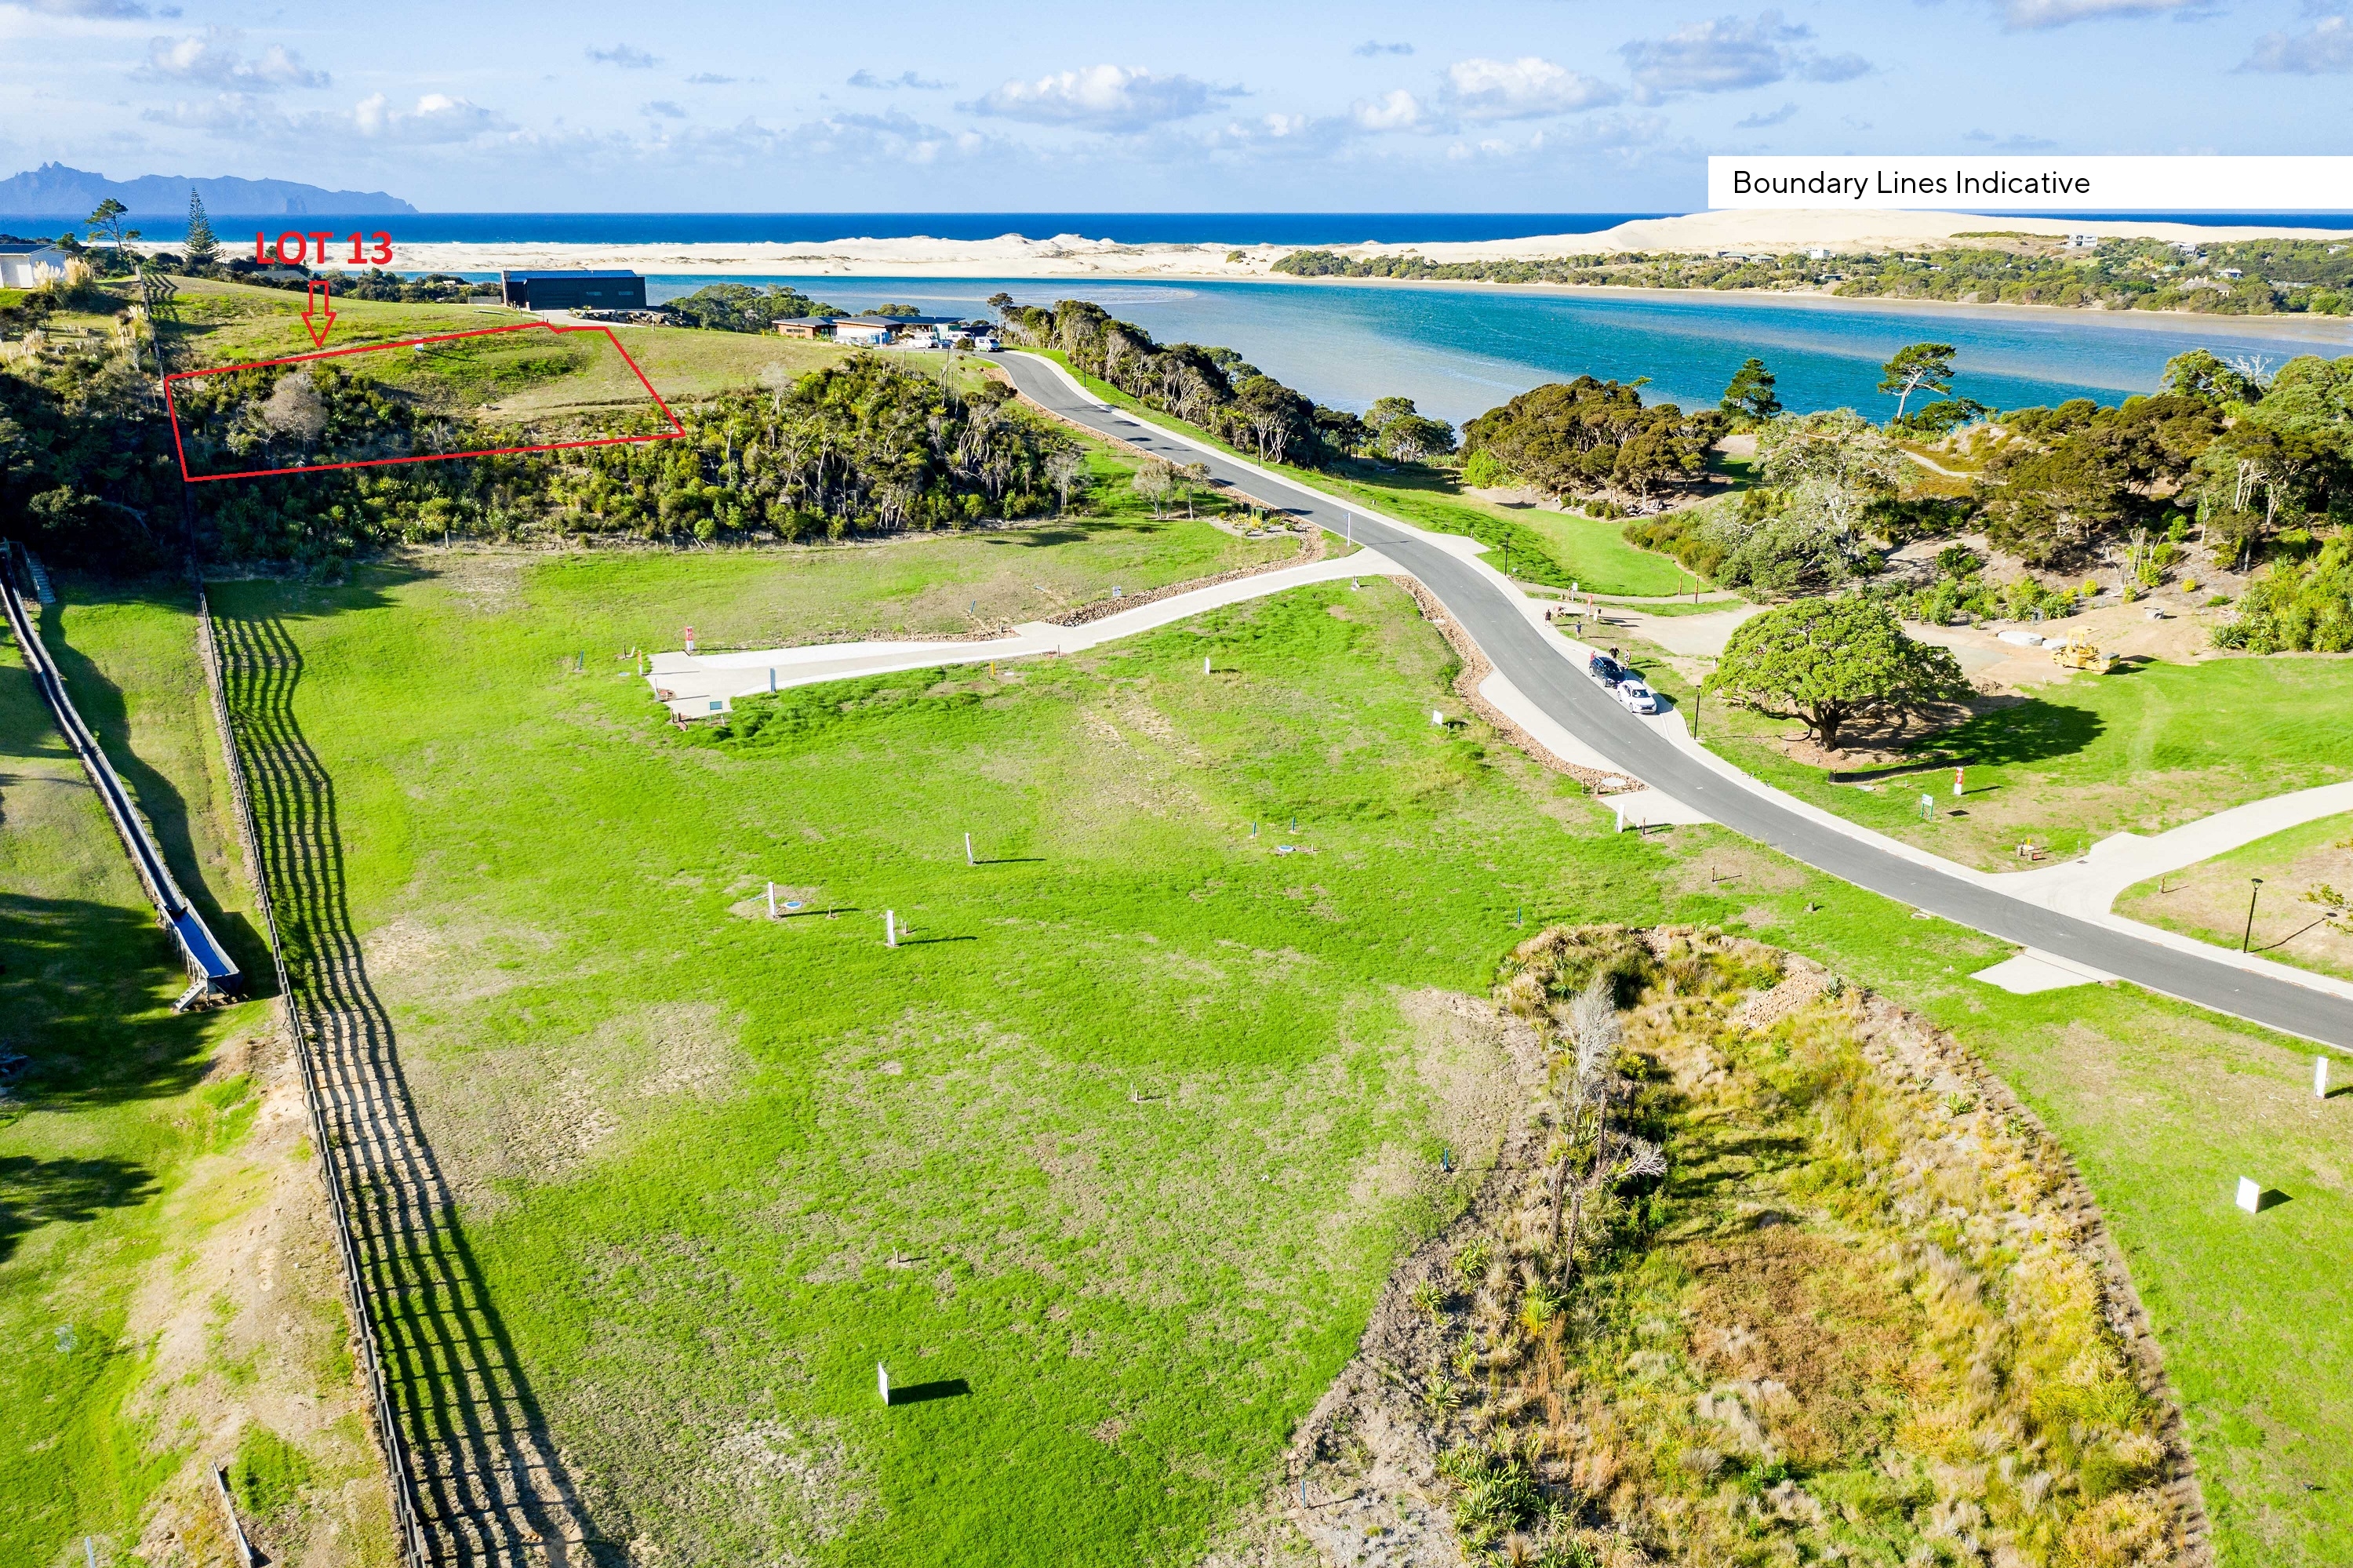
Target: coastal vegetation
<point>1590,437</point>
<point>1218,391</point>
<point>2257,277</point>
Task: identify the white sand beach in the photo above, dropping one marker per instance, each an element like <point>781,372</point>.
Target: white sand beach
<point>1072,255</point>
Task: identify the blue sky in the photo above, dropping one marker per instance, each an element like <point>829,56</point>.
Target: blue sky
<point>1546,105</point>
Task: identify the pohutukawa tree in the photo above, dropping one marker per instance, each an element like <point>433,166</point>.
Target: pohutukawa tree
<point>1826,662</point>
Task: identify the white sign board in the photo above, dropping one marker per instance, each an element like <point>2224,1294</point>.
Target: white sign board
<point>1937,183</point>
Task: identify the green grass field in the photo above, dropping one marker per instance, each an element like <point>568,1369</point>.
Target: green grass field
<point>2142,750</point>
<point>1116,1152</point>
<point>2288,919</point>
<point>1550,547</point>
<point>162,1282</point>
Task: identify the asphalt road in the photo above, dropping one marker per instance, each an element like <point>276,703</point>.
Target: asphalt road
<point>1518,650</point>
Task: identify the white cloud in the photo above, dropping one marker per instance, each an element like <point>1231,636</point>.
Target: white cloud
<point>840,140</point>
<point>2020,142</point>
<point>2326,48</point>
<point>1372,46</point>
<point>239,114</point>
<point>1727,54</point>
<point>624,56</point>
<point>708,78</point>
<point>1762,118</point>
<point>906,79</point>
<point>2025,16</point>
<point>1625,135</point>
<point>100,10</point>
<point>214,58</point>
<point>1524,89</point>
<point>437,118</point>
<point>1397,110</point>
<point>662,109</point>
<point>1099,98</point>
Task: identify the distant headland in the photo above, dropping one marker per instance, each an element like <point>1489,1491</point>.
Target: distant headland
<point>54,190</point>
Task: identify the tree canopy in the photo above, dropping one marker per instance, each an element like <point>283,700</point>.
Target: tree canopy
<point>1749,399</point>
<point>1829,662</point>
<point>1213,387</point>
<point>740,307</point>
<point>1585,437</point>
<point>1921,368</point>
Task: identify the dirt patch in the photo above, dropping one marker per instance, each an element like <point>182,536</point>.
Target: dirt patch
<point>540,1111</point>
<point>247,1328</point>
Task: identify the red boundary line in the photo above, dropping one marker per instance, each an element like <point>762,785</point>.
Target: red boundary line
<point>675,433</point>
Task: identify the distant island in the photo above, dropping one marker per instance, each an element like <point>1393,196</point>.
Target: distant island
<point>54,190</point>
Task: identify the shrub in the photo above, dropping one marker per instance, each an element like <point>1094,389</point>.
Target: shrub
<point>2306,607</point>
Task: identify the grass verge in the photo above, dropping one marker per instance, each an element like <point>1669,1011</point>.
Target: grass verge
<point>2294,917</point>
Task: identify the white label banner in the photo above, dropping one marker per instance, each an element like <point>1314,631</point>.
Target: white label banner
<point>2034,184</point>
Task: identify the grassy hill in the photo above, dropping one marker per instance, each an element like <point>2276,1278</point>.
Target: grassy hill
<point>529,374</point>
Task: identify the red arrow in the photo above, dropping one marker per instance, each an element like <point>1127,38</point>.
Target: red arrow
<point>318,300</point>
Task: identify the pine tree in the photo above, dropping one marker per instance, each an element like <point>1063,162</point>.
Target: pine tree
<point>203,246</point>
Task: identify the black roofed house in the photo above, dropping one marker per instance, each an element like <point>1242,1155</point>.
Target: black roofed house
<point>578,290</point>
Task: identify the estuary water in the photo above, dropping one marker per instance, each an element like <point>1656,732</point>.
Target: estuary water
<point>1458,351</point>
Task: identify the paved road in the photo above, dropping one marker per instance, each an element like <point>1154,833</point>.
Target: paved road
<point>1520,651</point>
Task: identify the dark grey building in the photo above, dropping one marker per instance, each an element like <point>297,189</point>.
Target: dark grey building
<point>574,290</point>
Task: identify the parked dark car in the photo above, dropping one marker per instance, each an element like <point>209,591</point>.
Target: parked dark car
<point>1606,669</point>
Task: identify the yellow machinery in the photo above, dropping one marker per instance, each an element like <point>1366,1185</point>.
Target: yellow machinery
<point>2079,652</point>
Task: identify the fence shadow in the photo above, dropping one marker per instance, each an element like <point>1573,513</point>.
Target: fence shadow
<point>488,1487</point>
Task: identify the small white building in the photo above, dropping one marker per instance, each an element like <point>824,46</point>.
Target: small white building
<point>871,332</point>
<point>29,263</point>
<point>2083,242</point>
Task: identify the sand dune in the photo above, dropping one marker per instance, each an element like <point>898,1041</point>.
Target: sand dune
<point>1073,255</point>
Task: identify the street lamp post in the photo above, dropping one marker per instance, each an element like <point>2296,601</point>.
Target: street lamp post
<point>2249,934</point>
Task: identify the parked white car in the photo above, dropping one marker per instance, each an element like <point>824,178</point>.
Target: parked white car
<point>1637,698</point>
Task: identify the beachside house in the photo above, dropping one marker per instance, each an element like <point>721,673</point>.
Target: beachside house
<point>29,263</point>
<point>878,332</point>
<point>574,290</point>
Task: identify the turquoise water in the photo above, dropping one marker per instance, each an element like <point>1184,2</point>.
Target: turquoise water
<point>1458,351</point>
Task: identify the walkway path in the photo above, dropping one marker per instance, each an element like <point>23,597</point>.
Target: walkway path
<point>697,685</point>
<point>1544,670</point>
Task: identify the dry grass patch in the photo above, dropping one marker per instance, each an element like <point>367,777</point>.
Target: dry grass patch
<point>1772,1273</point>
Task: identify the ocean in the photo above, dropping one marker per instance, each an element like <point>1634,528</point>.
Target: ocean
<point>1122,227</point>
<point>1458,351</point>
